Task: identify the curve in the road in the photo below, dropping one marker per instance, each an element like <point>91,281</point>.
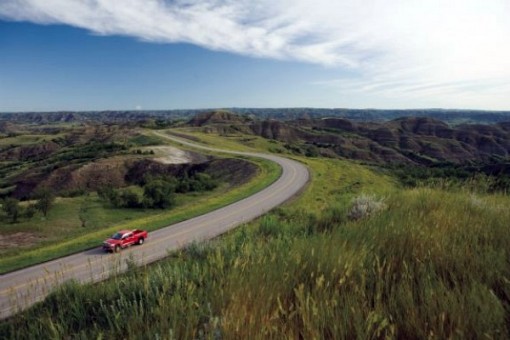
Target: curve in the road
<point>23,288</point>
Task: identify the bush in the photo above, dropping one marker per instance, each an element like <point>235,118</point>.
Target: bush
<point>126,198</point>
<point>331,218</point>
<point>206,181</point>
<point>11,207</point>
<point>159,194</point>
<point>197,182</point>
<point>110,195</point>
<point>364,206</point>
<point>130,199</point>
<point>45,199</point>
<point>30,211</point>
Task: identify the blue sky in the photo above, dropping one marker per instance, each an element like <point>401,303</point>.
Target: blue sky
<point>150,54</point>
<point>64,68</point>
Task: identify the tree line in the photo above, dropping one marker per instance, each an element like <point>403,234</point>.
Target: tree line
<point>158,192</point>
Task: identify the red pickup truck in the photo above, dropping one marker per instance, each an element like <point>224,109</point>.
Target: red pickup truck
<point>124,239</point>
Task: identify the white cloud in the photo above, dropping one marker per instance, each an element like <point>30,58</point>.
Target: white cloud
<point>445,51</point>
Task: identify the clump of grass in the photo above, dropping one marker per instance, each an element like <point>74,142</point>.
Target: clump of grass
<point>364,206</point>
<point>270,226</point>
<point>197,251</point>
<point>333,217</point>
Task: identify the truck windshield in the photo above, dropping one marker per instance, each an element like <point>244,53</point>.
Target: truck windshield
<point>117,236</point>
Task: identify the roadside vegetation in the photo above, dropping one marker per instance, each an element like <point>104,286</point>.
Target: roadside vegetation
<point>48,223</point>
<point>158,192</point>
<point>488,178</point>
<point>357,255</point>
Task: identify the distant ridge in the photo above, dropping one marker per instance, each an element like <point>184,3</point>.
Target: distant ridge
<point>452,117</point>
<point>404,140</point>
<point>217,117</point>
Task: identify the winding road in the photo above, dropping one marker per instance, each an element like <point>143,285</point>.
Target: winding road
<point>21,289</point>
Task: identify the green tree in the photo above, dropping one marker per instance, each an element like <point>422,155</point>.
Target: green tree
<point>11,207</point>
<point>110,195</point>
<point>130,199</point>
<point>45,199</point>
<point>159,194</point>
<point>206,181</point>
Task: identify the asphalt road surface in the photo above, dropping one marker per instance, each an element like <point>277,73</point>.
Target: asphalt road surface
<point>21,289</point>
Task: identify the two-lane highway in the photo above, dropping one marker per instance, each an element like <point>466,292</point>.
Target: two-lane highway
<point>23,288</point>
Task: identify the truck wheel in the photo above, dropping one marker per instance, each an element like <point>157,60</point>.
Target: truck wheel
<point>117,249</point>
<point>140,241</point>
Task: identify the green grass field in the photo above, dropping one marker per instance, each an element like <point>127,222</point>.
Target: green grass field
<point>61,233</point>
<point>431,263</point>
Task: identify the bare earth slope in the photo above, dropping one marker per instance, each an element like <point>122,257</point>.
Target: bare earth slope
<point>21,289</point>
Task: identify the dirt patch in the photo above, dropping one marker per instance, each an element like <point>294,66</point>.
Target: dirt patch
<point>89,177</point>
<point>228,170</point>
<point>172,155</point>
<point>232,170</point>
<point>21,239</point>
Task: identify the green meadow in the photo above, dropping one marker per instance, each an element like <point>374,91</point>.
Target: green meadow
<point>356,255</point>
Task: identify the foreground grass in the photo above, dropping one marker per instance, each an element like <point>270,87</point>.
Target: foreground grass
<point>433,264</point>
<point>106,222</point>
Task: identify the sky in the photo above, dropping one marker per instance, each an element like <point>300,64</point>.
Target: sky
<point>178,54</point>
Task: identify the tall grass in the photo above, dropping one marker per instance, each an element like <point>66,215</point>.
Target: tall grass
<point>433,264</point>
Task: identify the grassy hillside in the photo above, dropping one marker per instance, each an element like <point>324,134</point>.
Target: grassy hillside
<point>427,263</point>
<point>38,239</point>
<point>65,236</point>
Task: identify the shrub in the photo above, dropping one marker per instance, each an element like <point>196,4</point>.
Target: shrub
<point>197,182</point>
<point>159,194</point>
<point>11,207</point>
<point>331,218</point>
<point>30,211</point>
<point>110,195</point>
<point>130,199</point>
<point>206,181</point>
<point>364,206</point>
<point>45,199</point>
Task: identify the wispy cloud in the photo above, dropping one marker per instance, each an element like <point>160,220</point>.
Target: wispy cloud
<point>445,50</point>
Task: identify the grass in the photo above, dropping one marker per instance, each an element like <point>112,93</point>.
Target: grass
<point>25,139</point>
<point>236,142</point>
<point>432,264</point>
<point>334,181</point>
<point>63,220</point>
